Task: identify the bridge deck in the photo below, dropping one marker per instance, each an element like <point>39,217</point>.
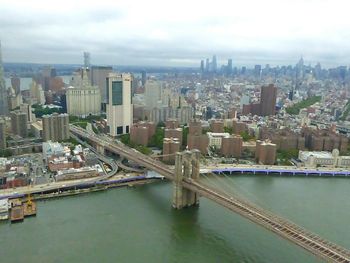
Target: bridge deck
<point>298,235</point>
<point>280,170</point>
<point>286,229</point>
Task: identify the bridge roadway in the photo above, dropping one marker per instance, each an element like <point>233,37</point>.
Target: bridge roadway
<point>128,168</point>
<point>275,169</point>
<point>284,228</point>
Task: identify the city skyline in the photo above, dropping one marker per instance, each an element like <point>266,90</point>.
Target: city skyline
<point>272,32</point>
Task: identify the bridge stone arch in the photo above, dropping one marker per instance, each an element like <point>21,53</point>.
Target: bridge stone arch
<point>186,167</point>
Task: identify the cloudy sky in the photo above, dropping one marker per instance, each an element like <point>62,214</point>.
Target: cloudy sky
<point>176,33</point>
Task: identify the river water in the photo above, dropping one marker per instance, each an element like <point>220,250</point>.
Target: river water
<point>26,82</point>
<point>138,224</point>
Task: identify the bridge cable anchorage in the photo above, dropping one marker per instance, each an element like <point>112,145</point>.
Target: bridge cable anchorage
<point>284,228</point>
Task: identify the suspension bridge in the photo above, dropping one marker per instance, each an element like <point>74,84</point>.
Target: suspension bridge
<point>188,187</point>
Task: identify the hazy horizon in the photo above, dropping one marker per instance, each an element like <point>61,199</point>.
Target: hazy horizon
<point>155,33</point>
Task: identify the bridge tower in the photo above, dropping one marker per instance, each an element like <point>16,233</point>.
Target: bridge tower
<point>186,167</point>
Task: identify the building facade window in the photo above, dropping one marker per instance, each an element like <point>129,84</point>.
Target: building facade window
<point>117,93</point>
<point>120,130</point>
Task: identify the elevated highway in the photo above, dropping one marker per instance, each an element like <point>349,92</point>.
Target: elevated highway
<point>275,169</point>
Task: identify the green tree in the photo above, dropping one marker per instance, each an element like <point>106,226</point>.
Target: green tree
<point>81,124</point>
<point>228,130</point>
<point>125,138</point>
<point>160,124</point>
<point>5,153</point>
<point>72,141</point>
<point>295,109</point>
<point>73,118</point>
<point>246,136</point>
<point>143,149</point>
<point>157,139</point>
<point>285,156</point>
<point>40,111</point>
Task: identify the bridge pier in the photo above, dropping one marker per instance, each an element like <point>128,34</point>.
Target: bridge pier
<point>100,149</point>
<point>186,167</point>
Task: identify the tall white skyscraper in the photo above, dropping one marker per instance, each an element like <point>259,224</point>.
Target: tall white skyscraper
<point>215,64</point>
<point>119,103</point>
<point>86,60</point>
<point>4,110</point>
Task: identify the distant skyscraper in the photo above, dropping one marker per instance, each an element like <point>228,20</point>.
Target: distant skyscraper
<point>143,78</point>
<point>202,66</point>
<point>47,73</point>
<point>87,60</point>
<point>207,65</point>
<point>3,92</point>
<point>98,76</point>
<point>318,71</point>
<point>215,64</point>
<point>268,100</point>
<point>257,71</point>
<point>299,72</point>
<point>16,84</point>
<point>229,66</point>
<point>119,103</point>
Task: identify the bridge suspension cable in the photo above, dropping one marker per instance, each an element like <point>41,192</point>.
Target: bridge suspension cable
<point>283,227</point>
<point>242,191</point>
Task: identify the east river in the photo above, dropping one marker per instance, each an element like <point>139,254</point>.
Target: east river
<point>137,224</point>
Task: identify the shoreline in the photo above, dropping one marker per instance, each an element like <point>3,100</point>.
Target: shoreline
<point>47,196</point>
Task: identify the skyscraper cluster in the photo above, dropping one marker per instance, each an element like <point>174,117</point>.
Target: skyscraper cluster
<point>208,66</point>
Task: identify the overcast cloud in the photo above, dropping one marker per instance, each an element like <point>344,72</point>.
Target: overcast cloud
<point>176,33</point>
